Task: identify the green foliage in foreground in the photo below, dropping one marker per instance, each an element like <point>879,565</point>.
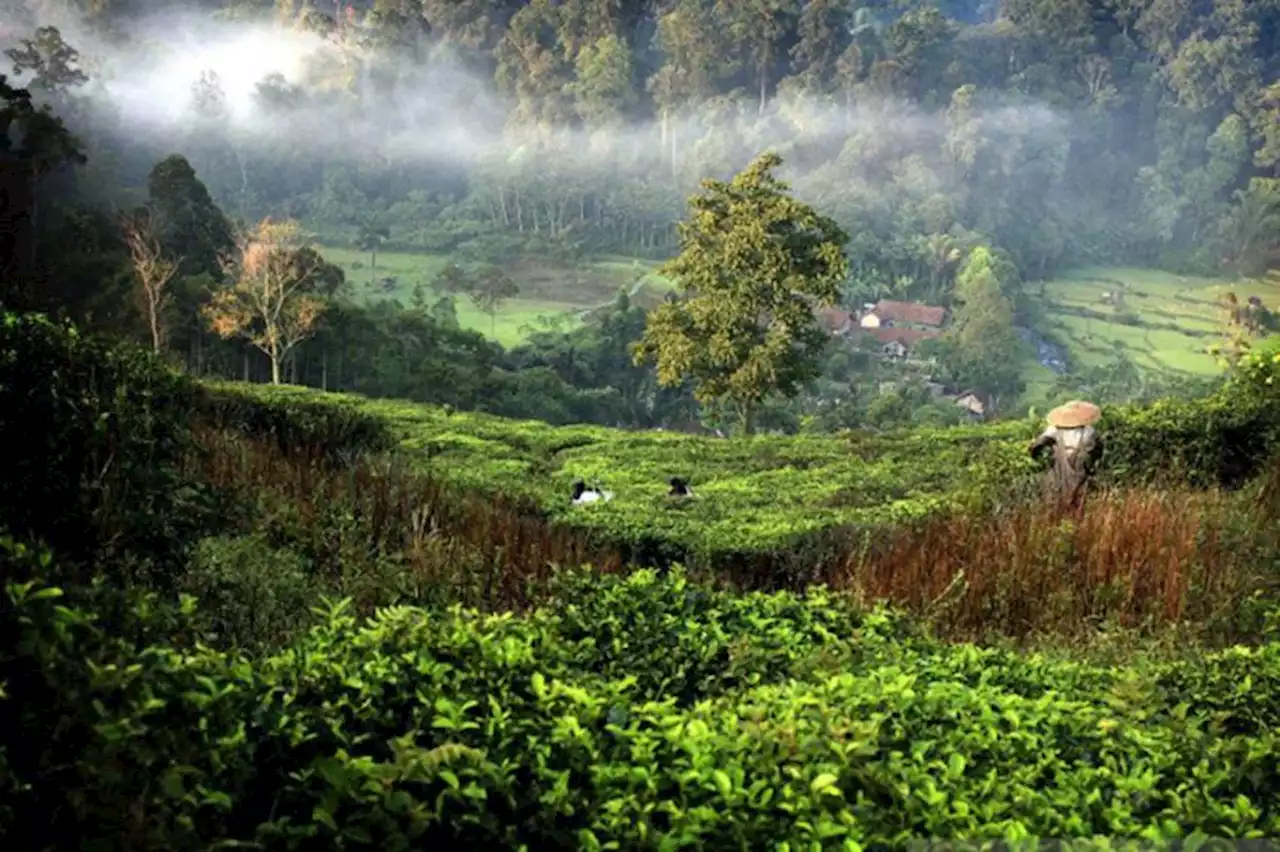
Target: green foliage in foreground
<point>773,494</point>
<point>638,713</point>
<point>94,434</point>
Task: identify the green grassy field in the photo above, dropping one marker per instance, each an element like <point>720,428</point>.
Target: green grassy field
<point>1163,321</point>
<point>548,288</point>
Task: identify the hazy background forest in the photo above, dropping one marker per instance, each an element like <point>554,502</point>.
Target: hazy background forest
<point>1118,160</point>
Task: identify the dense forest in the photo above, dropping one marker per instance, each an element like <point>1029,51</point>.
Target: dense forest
<point>1052,132</point>
<point>1117,128</point>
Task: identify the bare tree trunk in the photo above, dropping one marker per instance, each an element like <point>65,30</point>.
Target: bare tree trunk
<point>502,202</point>
<point>747,413</point>
<point>155,326</point>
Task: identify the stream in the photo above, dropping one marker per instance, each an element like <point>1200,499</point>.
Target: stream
<point>1050,355</point>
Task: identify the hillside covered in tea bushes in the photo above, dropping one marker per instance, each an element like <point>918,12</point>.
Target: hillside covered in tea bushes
<point>766,496</point>
<point>285,621</point>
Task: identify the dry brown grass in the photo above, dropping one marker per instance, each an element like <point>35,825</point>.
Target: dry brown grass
<point>1130,559</point>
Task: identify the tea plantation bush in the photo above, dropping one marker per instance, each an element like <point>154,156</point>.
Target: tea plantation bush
<point>764,494</point>
<point>568,729</point>
<point>93,438</point>
<point>792,499</point>
<point>315,420</point>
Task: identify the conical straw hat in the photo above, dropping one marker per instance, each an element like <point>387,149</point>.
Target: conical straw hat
<point>1072,414</point>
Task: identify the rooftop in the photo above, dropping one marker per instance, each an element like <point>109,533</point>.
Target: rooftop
<point>909,312</point>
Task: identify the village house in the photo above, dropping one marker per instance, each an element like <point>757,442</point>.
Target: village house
<point>898,327</point>
<point>837,322</point>
<point>894,350</point>
<point>890,314</point>
<point>972,404</point>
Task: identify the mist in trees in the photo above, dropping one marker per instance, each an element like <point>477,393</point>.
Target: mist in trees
<point>1057,130</point>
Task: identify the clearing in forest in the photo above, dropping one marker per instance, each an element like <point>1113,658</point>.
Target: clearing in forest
<point>549,288</point>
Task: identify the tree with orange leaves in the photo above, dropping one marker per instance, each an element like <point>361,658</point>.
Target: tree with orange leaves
<point>272,301</point>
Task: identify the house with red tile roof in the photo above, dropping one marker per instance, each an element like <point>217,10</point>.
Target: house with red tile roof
<point>890,314</point>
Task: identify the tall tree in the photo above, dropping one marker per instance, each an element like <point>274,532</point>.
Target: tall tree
<point>1253,233</point>
<point>188,223</point>
<point>370,238</point>
<point>695,57</point>
<point>272,301</point>
<point>51,63</point>
<point>603,88</point>
<point>918,42</point>
<point>33,144</point>
<point>824,31</point>
<point>759,27</point>
<point>452,280</point>
<point>469,29</point>
<point>154,271</point>
<point>211,139</point>
<point>979,345</point>
<point>533,65</point>
<point>753,263</point>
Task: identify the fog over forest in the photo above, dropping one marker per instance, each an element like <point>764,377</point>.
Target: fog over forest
<point>914,122</point>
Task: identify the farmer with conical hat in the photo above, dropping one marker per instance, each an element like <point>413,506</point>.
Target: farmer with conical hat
<point>1076,446</point>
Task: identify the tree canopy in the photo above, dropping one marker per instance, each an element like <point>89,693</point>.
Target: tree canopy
<point>753,264</point>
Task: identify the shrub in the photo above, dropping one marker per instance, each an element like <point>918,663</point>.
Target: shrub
<point>251,594</point>
<point>686,642</point>
<point>94,436</point>
<point>294,418</point>
<point>780,512</point>
<point>1224,439</point>
<point>451,728</point>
